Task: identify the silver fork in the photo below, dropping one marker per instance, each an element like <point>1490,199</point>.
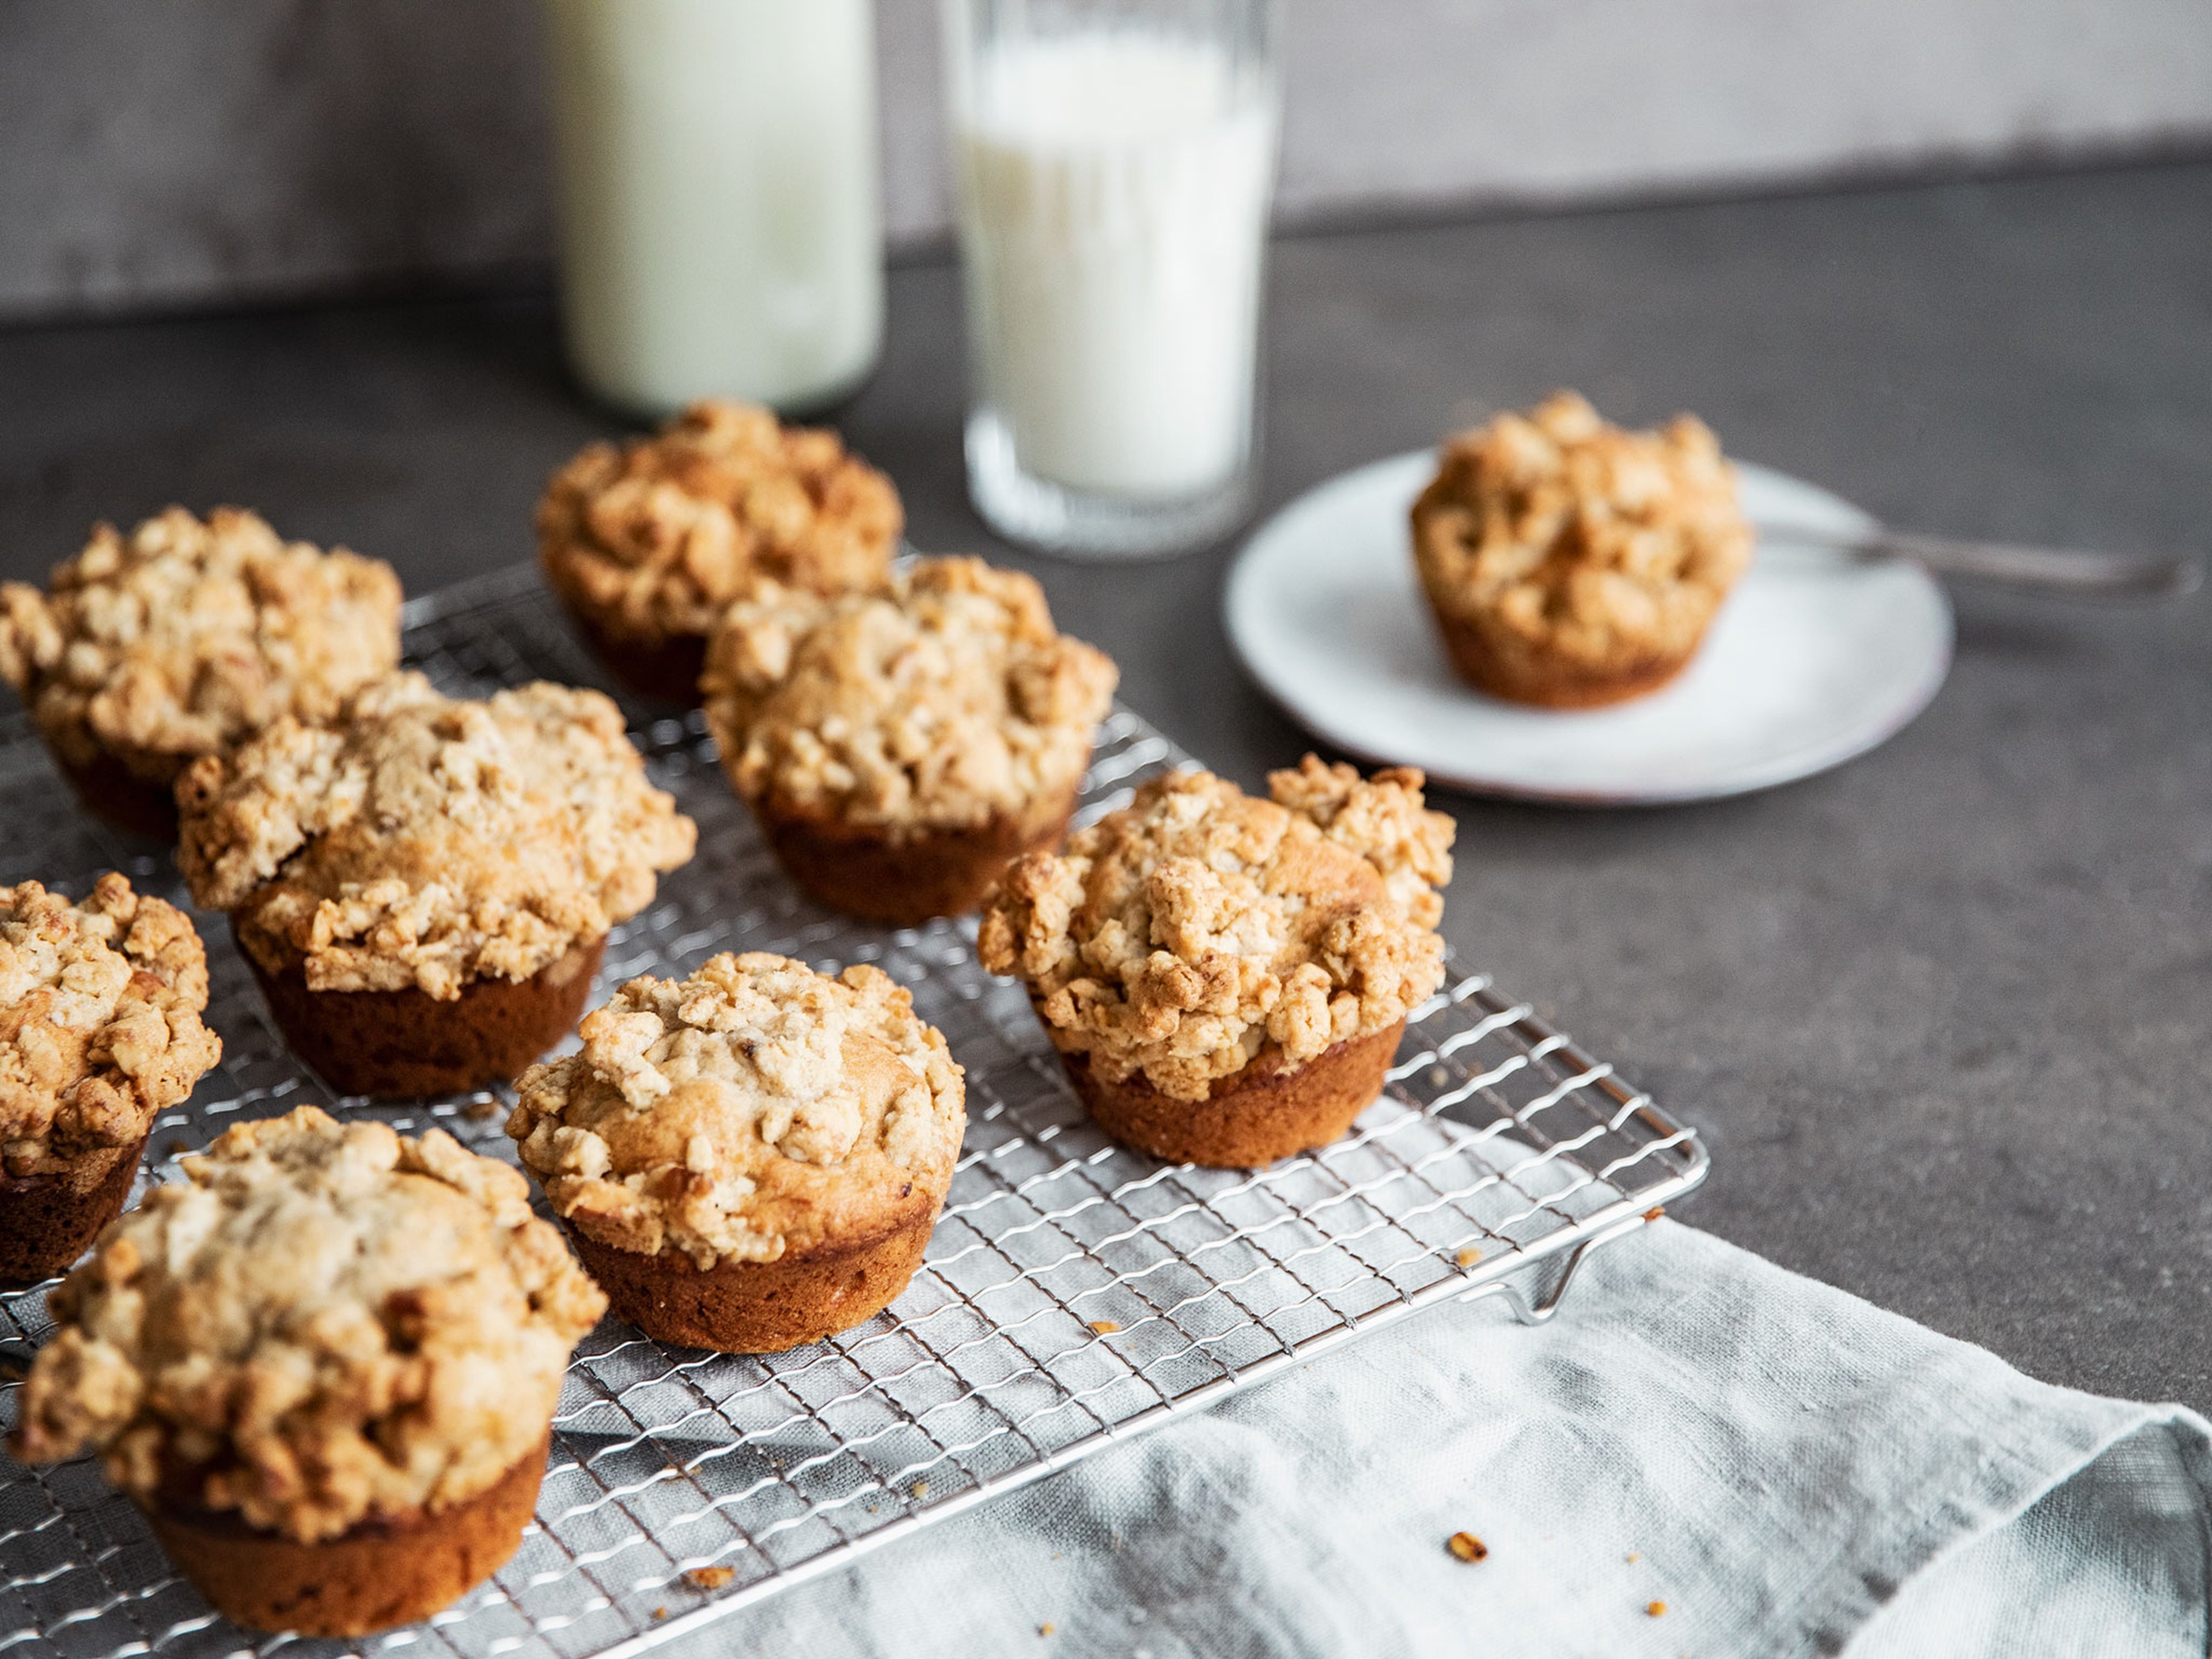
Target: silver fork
<point>2068,573</point>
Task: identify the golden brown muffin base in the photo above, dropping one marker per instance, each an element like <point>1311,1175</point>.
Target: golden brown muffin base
<point>757,1307</point>
<point>113,793</point>
<point>48,1221</point>
<point>1524,677</point>
<point>665,665</point>
<point>376,1575</point>
<point>1269,1110</point>
<point>859,870</point>
<point>408,1042</point>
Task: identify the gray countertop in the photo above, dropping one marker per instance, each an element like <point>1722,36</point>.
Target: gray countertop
<point>1945,1015</point>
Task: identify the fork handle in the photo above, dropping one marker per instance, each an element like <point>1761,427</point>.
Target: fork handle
<point>2068,571</point>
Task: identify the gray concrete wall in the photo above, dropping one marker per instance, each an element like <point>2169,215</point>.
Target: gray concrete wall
<point>205,151</point>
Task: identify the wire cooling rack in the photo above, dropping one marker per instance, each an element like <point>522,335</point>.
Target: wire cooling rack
<point>1073,1294</point>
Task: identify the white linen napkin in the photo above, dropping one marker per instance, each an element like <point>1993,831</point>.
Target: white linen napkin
<point>1702,1453</point>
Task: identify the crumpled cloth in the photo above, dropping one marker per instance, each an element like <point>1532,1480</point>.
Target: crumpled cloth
<point>1702,1453</point>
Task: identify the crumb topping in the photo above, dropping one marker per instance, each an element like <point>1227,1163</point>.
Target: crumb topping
<point>189,636</point>
<point>1604,546</point>
<point>428,841</point>
<point>754,1108</point>
<point>657,535</point>
<point>942,702</point>
<point>324,1323</point>
<point>1184,934</point>
<point>100,1021</point>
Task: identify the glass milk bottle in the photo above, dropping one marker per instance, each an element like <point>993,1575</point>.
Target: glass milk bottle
<point>1115,161</point>
<point>720,223</point>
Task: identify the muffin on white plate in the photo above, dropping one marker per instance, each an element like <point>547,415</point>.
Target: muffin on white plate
<point>1571,563</point>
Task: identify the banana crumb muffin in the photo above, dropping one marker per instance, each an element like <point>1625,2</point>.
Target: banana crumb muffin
<point>1571,563</point>
<point>646,543</point>
<point>324,1364</point>
<point>899,748</point>
<point>751,1157</point>
<point>100,1030</point>
<point>1226,978</point>
<point>424,889</point>
<point>183,640</point>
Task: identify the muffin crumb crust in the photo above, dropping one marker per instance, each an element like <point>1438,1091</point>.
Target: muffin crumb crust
<point>1184,934</point>
<point>1562,539</point>
<point>429,841</point>
<point>653,537</point>
<point>753,1108</point>
<point>944,702</point>
<point>188,635</point>
<point>324,1323</point>
<point>99,1020</point>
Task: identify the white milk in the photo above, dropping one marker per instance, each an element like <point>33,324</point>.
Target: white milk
<point>1116,188</point>
<point>720,227</point>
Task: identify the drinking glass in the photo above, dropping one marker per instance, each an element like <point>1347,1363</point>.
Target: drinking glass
<point>1114,160</point>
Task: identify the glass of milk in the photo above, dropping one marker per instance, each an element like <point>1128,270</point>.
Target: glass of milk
<point>1114,160</point>
<point>720,222</point>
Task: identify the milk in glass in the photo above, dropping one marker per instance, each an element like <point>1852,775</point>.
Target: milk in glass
<point>720,227</point>
<point>1115,188</point>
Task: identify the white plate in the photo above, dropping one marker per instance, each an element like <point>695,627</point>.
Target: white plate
<point>1814,659</point>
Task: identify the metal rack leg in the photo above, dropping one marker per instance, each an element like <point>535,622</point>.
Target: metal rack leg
<point>1536,1310</point>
